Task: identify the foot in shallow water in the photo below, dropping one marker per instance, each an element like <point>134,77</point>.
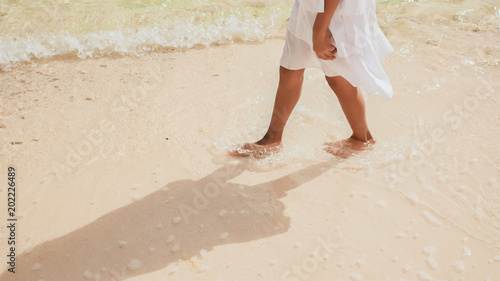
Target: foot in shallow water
<point>346,147</point>
<point>255,150</point>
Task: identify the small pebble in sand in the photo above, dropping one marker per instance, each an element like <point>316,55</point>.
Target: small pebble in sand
<point>432,263</point>
<point>123,243</point>
<point>134,264</point>
<point>430,250</point>
<point>431,187</point>
<point>222,213</point>
<point>159,225</point>
<point>407,267</point>
<point>165,189</point>
<point>479,211</point>
<point>359,262</point>
<point>260,273</point>
<point>296,245</point>
<point>175,248</point>
<point>272,263</point>
<point>176,220</point>
<point>459,266</point>
<point>353,193</point>
<point>87,274</point>
<point>431,219</point>
<point>355,276</point>
<point>467,251</point>
<point>400,235</point>
<point>381,204</point>
<point>413,197</point>
<point>136,196</point>
<point>36,266</point>
<point>170,238</point>
<point>366,194</point>
<point>152,249</point>
<point>424,276</point>
<point>174,269</point>
<point>242,212</point>
<point>224,235</point>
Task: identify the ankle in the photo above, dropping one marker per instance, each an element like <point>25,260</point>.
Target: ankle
<point>363,137</point>
<point>270,139</point>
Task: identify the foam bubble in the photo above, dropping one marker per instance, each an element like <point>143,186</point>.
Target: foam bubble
<point>170,238</point>
<point>134,264</point>
<point>424,276</point>
<point>459,266</point>
<point>87,274</point>
<point>36,266</point>
<point>176,247</point>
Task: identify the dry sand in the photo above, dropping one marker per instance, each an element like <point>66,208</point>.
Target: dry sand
<point>121,175</point>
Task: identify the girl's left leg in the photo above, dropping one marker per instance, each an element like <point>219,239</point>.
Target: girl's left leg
<point>353,104</point>
<point>287,96</point>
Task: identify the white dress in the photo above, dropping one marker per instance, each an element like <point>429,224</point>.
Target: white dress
<point>360,43</point>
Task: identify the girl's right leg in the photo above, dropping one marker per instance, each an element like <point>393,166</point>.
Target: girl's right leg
<point>287,96</point>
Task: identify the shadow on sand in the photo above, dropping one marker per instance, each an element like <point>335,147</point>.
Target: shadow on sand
<point>253,212</point>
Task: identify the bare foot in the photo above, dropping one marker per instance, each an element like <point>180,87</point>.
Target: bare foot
<point>346,147</point>
<point>255,150</point>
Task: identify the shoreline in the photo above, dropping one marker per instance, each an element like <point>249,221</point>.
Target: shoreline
<point>74,56</point>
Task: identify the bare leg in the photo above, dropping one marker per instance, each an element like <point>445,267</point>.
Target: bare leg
<point>353,104</point>
<point>287,96</point>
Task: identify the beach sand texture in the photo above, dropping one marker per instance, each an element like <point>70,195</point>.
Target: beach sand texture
<point>122,170</point>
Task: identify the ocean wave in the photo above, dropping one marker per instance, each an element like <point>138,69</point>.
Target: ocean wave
<point>94,29</point>
<point>174,34</point>
<point>57,28</point>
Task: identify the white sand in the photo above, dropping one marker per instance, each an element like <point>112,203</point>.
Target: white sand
<point>103,195</point>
